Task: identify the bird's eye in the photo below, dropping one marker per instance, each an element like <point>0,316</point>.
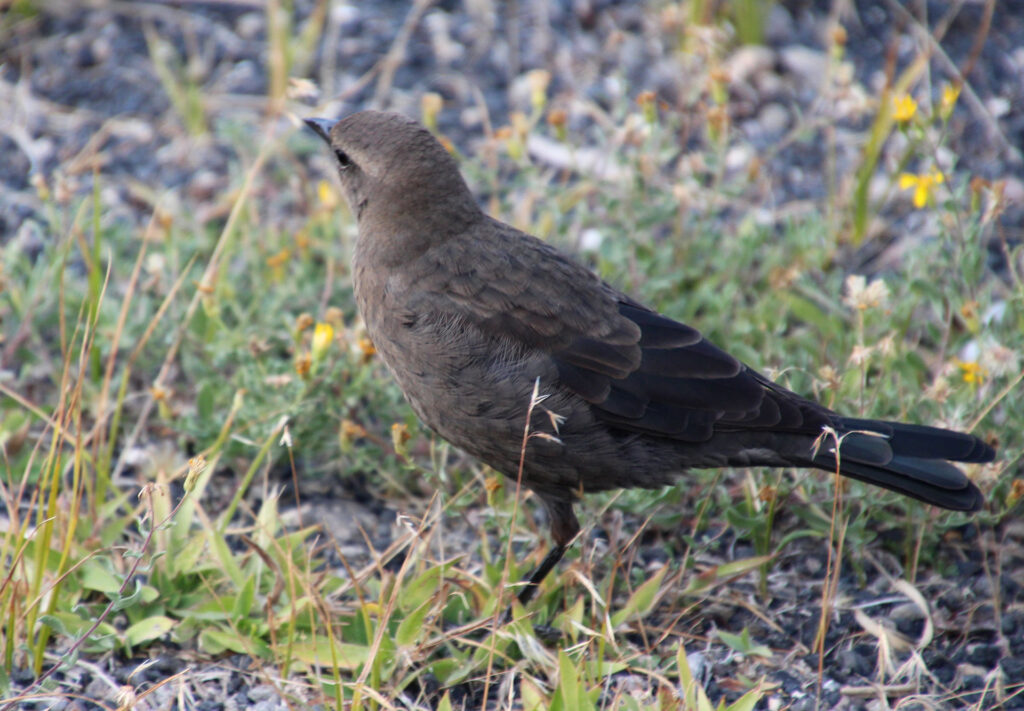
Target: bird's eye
<point>343,160</point>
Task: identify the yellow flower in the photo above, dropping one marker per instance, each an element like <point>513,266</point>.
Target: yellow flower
<point>430,107</point>
<point>950,93</point>
<point>923,185</point>
<point>972,372</point>
<point>903,108</point>
<point>399,436</point>
<point>327,194</point>
<point>323,334</point>
<point>279,259</point>
<point>348,433</point>
<point>196,466</point>
<point>538,81</point>
<point>366,349</point>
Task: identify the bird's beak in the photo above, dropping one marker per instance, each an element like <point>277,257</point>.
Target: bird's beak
<point>322,127</point>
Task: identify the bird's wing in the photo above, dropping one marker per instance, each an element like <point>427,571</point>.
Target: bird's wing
<point>640,371</point>
<point>684,387</point>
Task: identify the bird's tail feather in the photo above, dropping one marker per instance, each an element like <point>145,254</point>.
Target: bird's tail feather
<point>910,459</point>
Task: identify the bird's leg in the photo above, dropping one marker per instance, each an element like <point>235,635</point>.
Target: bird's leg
<point>550,561</point>
<point>564,528</point>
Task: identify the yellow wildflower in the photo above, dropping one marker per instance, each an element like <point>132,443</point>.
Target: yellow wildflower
<point>327,194</point>
<point>538,80</point>
<point>279,259</point>
<point>348,433</point>
<point>430,107</point>
<point>923,185</point>
<point>366,349</point>
<point>903,107</point>
<point>399,437</point>
<point>196,466</point>
<point>972,372</point>
<point>950,93</point>
<point>323,334</point>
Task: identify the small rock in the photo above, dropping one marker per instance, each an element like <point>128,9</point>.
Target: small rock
<point>261,692</point>
<point>749,61</point>
<point>780,27</point>
<point>807,64</point>
<point>251,25</point>
<point>1013,192</point>
<point>998,106</point>
<point>985,655</point>
<point>1013,667</point>
<point>850,662</point>
<point>738,156</point>
<point>774,119</point>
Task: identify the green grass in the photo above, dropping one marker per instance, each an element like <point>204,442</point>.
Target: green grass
<point>165,385</point>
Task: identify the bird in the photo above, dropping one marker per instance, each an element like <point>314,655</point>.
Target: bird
<point>491,333</point>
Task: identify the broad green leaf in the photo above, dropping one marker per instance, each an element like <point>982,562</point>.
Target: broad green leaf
<point>571,691</point>
<point>245,599</point>
<point>531,696</point>
<point>743,644</point>
<point>417,591</point>
<point>186,560</point>
<point>319,653</point>
<point>694,696</point>
<point>411,628</point>
<point>642,599</point>
<point>148,629</point>
<point>218,641</point>
<point>96,576</point>
<point>748,701</point>
<point>720,573</point>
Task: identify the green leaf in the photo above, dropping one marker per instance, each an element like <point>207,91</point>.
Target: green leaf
<point>97,576</point>
<point>721,573</point>
<point>136,596</point>
<point>417,591</point>
<point>148,629</point>
<point>743,644</point>
<point>186,560</point>
<point>244,601</point>
<point>216,641</point>
<point>694,696</point>
<point>410,629</point>
<point>568,683</point>
<point>206,400</point>
<point>748,701</point>
<point>808,311</point>
<point>642,600</point>
<point>531,696</point>
<point>320,652</point>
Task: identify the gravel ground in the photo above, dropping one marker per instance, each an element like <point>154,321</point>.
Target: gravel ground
<point>80,93</point>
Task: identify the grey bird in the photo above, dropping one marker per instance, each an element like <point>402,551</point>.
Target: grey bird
<point>469,313</point>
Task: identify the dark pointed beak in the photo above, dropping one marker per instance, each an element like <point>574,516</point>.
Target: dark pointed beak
<point>322,127</point>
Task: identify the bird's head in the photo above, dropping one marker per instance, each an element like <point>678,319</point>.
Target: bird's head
<point>393,169</point>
